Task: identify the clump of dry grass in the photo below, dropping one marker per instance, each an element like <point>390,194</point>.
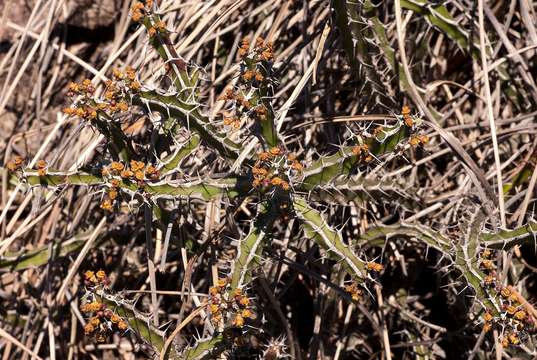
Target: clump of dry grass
<point>344,179</point>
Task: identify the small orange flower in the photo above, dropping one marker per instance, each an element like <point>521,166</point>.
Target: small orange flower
<point>261,110</point>
<point>139,175</point>
<point>106,204</point>
<point>101,275</point>
<point>150,170</point>
<point>41,164</point>
<point>95,321</point>
<point>259,171</point>
<point>248,75</point>
<point>89,275</point>
<point>511,310</point>
<point>513,339</point>
<point>73,87</point>
<point>264,156</point>
<point>360,149</point>
<point>135,85</point>
<point>520,315</point>
<point>414,141</point>
<point>117,166</point>
<point>488,264</point>
<point>88,329</point>
<point>15,164</point>
<point>244,301</point>
<point>246,313</point>
<point>222,282</point>
<point>126,174</point>
<point>297,166</point>
<point>276,181</point>
<point>213,290</point>
<point>112,194</point>
<point>238,321</point>
<point>213,308</point>
<point>372,266</point>
<point>123,106</point>
<point>489,280</point>
<point>424,139</point>
<point>409,121</point>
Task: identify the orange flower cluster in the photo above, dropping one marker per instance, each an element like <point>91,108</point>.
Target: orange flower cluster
<point>128,77</point>
<point>84,109</point>
<point>362,152</point>
<point>94,279</point>
<point>354,291</point>
<point>250,75</point>
<point>140,10</point>
<point>234,121</point>
<point>240,104</point>
<point>113,99</point>
<point>159,27</point>
<point>238,98</point>
<point>407,118</point>
<point>416,140</point>
<point>138,172</point>
<point>85,88</point>
<point>515,321</point>
<point>263,170</point>
<point>41,167</point>
<point>244,49</point>
<point>15,164</point>
<point>263,51</point>
<point>228,305</point>
<point>373,266</point>
<point>250,70</point>
<point>103,320</point>
<point>84,112</point>
<point>255,79</point>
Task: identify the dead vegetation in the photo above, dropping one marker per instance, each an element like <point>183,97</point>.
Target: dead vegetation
<point>268,179</point>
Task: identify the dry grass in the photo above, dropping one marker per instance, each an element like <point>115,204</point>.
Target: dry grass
<point>343,68</point>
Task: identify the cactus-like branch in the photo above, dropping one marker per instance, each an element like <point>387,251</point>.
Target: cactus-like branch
<point>172,161</point>
<point>359,50</point>
<point>197,189</point>
<point>329,239</point>
<point>40,256</point>
<point>138,323</point>
<point>250,248</point>
<point>329,168</point>
<point>420,233</point>
<point>506,239</point>
<point>191,117</point>
<point>206,349</point>
<point>462,254</point>
<point>343,190</point>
